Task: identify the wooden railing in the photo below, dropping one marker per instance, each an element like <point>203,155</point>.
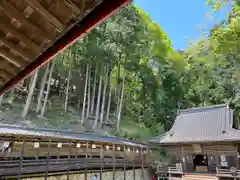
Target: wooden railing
<point>170,172</point>
<point>169,169</point>
<point>228,173</point>
<point>55,165</point>
<point>175,170</point>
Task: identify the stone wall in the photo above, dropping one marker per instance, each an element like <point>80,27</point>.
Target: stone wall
<point>108,175</point>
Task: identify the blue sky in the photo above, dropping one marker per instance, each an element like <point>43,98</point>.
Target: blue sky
<point>182,20</point>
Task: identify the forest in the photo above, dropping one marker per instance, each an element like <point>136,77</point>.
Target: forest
<point>125,79</point>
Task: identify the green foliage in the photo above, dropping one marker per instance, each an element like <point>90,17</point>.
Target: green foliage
<point>158,80</point>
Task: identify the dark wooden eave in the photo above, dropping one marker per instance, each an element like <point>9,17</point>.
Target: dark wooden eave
<point>32,32</point>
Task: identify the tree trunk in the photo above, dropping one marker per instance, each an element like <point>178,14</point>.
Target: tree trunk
<point>59,86</point>
<point>48,89</point>
<point>109,97</point>
<point>85,94</point>
<point>120,105</point>
<point>94,89</point>
<point>60,79</point>
<point>30,94</point>
<point>1,100</point>
<point>67,90</point>
<point>30,82</point>
<point>98,102</point>
<point>11,96</point>
<point>118,90</point>
<point>40,95</point>
<point>89,91</point>
<point>78,104</point>
<point>104,95</point>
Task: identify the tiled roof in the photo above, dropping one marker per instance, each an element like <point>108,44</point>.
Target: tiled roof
<point>12,130</point>
<point>206,124</point>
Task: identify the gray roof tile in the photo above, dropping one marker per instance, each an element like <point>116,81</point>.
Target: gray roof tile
<point>13,130</point>
<point>206,124</point>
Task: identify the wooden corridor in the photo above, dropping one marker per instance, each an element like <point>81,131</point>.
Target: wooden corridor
<point>27,152</point>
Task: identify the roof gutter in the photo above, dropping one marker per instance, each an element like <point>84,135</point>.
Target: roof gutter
<point>98,15</point>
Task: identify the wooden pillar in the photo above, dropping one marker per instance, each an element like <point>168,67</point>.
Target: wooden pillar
<point>171,159</point>
<point>142,162</point>
<point>59,146</point>
<point>21,160</point>
<point>102,160</point>
<point>47,161</point>
<point>114,161</point>
<point>183,159</point>
<point>8,149</point>
<point>237,157</point>
<point>37,146</point>
<point>134,158</point>
<point>217,159</point>
<point>86,161</point>
<point>149,161</point>
<point>124,162</point>
<point>11,150</point>
<point>237,160</point>
<point>69,158</point>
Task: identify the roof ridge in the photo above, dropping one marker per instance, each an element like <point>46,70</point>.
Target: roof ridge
<point>195,109</point>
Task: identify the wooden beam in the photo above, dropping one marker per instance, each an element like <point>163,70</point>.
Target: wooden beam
<point>12,12</point>
<point>5,74</point>
<point>11,59</point>
<point>82,7</point>
<point>17,49</point>
<point>73,7</point>
<point>11,69</point>
<point>10,29</point>
<point>2,80</point>
<point>91,4</point>
<point>96,16</point>
<point>35,4</point>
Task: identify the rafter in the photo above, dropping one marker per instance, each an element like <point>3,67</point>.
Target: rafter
<point>13,12</point>
<point>82,6</point>
<point>73,7</point>
<point>35,4</point>
<point>9,67</point>
<point>2,80</point>
<point>91,4</point>
<point>10,29</point>
<point>17,49</point>
<point>11,59</point>
<point>4,74</point>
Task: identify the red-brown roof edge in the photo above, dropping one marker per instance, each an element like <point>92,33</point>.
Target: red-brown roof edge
<point>99,14</point>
